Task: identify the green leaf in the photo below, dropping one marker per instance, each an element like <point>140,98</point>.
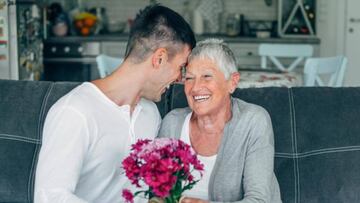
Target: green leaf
<point>189,186</point>
<point>142,191</point>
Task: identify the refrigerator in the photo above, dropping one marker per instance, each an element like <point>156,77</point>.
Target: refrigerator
<point>21,39</point>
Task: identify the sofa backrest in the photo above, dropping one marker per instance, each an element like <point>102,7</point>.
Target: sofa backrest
<point>317,139</point>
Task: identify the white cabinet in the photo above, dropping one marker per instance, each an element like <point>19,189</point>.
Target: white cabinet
<point>114,49</point>
<point>247,55</point>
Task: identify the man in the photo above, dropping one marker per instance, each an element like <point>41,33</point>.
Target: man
<point>89,131</point>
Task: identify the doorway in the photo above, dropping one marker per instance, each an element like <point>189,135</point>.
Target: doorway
<point>352,42</point>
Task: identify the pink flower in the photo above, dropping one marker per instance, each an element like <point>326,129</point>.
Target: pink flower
<point>163,190</point>
<point>129,197</point>
<point>139,144</point>
<point>160,165</point>
<point>198,165</point>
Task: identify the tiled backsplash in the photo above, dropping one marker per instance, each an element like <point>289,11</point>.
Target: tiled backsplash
<point>127,9</point>
<point>252,9</point>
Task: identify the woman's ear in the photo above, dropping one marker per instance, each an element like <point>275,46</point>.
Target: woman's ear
<point>159,57</point>
<point>233,81</point>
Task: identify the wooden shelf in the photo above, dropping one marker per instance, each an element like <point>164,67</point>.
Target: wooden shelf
<point>297,18</point>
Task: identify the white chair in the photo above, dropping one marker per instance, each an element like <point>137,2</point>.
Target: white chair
<point>316,69</point>
<point>276,51</point>
<point>107,64</point>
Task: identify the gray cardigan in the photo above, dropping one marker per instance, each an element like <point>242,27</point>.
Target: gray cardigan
<point>243,171</point>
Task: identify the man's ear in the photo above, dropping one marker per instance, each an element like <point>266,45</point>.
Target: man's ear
<point>233,81</point>
<point>159,57</point>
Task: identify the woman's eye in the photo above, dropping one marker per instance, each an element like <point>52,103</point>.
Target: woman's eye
<point>207,76</point>
<point>188,78</point>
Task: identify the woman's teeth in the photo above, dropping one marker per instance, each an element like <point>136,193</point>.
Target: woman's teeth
<point>201,98</point>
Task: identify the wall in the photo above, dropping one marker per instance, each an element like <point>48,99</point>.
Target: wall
<point>332,30</point>
<point>127,9</point>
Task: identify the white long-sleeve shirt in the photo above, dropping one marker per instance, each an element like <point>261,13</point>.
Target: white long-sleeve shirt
<point>85,138</point>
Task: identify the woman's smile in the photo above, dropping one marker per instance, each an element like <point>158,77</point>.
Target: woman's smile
<point>201,98</point>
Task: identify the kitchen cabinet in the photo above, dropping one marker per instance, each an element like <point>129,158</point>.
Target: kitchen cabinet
<point>247,55</point>
<point>114,49</point>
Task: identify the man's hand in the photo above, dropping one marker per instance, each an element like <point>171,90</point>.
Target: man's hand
<point>192,200</point>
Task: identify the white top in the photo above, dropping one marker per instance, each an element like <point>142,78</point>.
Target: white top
<point>85,138</point>
<point>200,190</point>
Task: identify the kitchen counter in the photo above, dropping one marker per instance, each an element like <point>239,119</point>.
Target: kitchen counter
<point>124,37</point>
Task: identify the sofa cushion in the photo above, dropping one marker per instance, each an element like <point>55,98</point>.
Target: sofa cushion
<point>326,137</point>
<point>23,107</point>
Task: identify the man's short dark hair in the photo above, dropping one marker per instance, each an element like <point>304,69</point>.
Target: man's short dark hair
<point>158,26</point>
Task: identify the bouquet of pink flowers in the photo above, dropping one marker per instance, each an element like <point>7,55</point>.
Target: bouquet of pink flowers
<point>164,165</point>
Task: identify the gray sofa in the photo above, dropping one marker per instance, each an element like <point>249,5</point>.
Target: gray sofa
<point>317,137</point>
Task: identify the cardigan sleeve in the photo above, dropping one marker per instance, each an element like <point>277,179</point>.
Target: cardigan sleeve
<point>259,162</point>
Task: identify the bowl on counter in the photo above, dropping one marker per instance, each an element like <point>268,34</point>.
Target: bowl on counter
<point>263,34</point>
<point>85,27</point>
<point>85,23</point>
<point>115,26</point>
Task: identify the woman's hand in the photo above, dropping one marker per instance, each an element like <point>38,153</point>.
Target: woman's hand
<point>156,200</point>
<point>192,200</point>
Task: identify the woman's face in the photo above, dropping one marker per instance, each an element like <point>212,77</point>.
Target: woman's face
<point>206,88</point>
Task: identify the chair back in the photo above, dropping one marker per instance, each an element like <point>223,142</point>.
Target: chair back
<point>334,67</point>
<point>107,64</point>
<point>275,51</point>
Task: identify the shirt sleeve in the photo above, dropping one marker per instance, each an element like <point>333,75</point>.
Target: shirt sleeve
<point>64,147</point>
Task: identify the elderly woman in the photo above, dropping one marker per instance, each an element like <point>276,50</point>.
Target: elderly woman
<point>233,138</point>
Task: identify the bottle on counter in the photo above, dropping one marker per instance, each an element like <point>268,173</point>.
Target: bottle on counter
<point>295,29</point>
<point>58,18</point>
<point>198,22</point>
<point>101,19</point>
<point>242,25</point>
<point>233,24</point>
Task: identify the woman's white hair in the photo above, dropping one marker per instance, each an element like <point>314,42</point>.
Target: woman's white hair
<point>217,51</point>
